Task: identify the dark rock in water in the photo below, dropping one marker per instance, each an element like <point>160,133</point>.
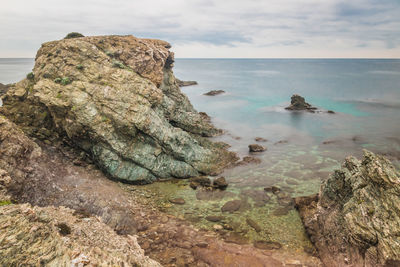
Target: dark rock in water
<point>214,218</point>
<point>281,211</point>
<point>330,112</point>
<point>298,103</point>
<point>256,148</point>
<point>214,92</point>
<point>185,83</point>
<point>232,206</point>
<point>355,219</point>
<point>268,245</point>
<point>205,116</point>
<point>248,160</point>
<point>260,139</point>
<point>200,181</point>
<point>253,224</point>
<point>211,194</point>
<point>178,201</point>
<point>128,114</point>
<point>258,196</point>
<point>273,189</point>
<point>220,183</point>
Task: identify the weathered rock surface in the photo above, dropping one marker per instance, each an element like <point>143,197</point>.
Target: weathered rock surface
<point>33,236</point>
<point>214,92</point>
<point>116,98</point>
<point>256,148</point>
<point>355,221</point>
<point>185,83</point>
<point>4,88</point>
<point>299,103</point>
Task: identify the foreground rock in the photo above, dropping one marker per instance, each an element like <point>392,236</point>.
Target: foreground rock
<point>116,98</point>
<point>185,83</point>
<point>214,92</point>
<point>298,103</point>
<point>56,237</point>
<point>355,221</point>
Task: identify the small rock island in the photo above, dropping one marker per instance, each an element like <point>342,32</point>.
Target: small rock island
<point>299,103</point>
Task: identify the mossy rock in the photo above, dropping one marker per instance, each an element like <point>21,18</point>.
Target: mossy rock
<point>74,35</point>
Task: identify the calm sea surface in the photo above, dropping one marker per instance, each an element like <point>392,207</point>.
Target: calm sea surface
<point>303,148</point>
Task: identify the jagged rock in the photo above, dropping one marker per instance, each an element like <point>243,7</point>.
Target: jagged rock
<point>256,148</point>
<point>185,83</point>
<point>298,103</point>
<point>355,221</point>
<point>4,88</point>
<point>214,92</point>
<point>116,98</point>
<point>55,237</point>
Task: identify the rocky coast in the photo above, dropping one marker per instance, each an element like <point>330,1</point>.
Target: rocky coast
<point>100,115</point>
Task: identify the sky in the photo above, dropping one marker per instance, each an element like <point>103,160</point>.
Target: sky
<point>213,28</point>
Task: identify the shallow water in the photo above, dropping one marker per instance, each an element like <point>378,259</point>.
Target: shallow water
<point>303,148</point>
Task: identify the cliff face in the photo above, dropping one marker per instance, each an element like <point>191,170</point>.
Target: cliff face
<point>116,98</point>
<point>355,221</point>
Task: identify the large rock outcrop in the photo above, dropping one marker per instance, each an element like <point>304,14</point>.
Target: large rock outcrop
<point>33,236</point>
<point>116,98</point>
<point>355,221</point>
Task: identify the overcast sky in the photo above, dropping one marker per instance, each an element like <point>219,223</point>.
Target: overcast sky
<point>213,28</point>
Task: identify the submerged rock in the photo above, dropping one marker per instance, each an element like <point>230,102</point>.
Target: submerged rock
<point>178,201</point>
<point>268,245</point>
<point>232,206</point>
<point>355,221</point>
<point>185,83</point>
<point>116,98</point>
<point>214,92</point>
<point>256,148</point>
<point>299,103</point>
<point>220,183</point>
<point>248,160</point>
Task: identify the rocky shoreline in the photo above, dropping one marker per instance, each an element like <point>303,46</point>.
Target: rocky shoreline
<point>96,110</point>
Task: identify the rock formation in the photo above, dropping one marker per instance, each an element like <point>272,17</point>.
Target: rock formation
<point>33,236</point>
<point>214,92</point>
<point>185,83</point>
<point>256,148</point>
<point>4,88</point>
<point>299,103</point>
<point>355,220</point>
<point>116,98</point>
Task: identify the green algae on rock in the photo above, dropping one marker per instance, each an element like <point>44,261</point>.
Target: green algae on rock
<point>355,220</point>
<point>134,121</point>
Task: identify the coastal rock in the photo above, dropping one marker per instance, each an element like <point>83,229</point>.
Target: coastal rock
<point>4,88</point>
<point>220,183</point>
<point>260,139</point>
<point>248,160</point>
<point>298,103</point>
<point>214,92</point>
<point>185,83</point>
<point>116,98</point>
<point>214,218</point>
<point>355,220</point>
<point>256,148</point>
<point>178,201</point>
<point>56,237</point>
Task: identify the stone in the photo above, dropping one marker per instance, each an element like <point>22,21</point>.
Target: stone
<point>214,218</point>
<point>298,103</point>
<point>178,201</point>
<point>38,237</point>
<point>236,238</point>
<point>214,92</point>
<point>253,224</point>
<point>330,112</point>
<point>124,108</point>
<point>354,220</point>
<point>260,139</point>
<point>220,183</point>
<point>267,245</point>
<point>273,189</point>
<point>256,148</point>
<point>231,206</point>
<point>185,83</point>
<point>217,227</point>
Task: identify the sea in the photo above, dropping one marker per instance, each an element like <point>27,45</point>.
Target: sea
<point>303,148</point>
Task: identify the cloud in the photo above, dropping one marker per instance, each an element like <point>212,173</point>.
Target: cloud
<point>252,28</point>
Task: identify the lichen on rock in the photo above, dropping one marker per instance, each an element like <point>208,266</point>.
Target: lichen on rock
<point>134,121</point>
<point>355,220</point>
